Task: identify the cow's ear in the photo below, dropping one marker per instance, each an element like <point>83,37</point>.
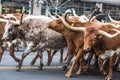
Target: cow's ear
<point>99,36</point>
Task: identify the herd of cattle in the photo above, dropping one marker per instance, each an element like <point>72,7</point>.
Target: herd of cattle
<point>82,35</point>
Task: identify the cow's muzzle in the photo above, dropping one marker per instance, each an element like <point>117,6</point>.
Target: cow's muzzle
<point>86,48</point>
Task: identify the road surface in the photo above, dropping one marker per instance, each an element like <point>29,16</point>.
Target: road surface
<point>53,72</point>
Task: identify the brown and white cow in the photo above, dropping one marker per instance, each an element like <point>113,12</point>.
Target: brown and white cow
<point>35,33</point>
<point>96,36</point>
<point>10,45</point>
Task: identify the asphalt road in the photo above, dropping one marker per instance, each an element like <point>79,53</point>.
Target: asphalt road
<point>53,72</point>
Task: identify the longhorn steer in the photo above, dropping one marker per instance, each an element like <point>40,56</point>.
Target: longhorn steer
<point>92,38</point>
<point>96,36</point>
<point>38,37</point>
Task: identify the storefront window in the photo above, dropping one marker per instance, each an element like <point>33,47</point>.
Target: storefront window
<point>14,6</point>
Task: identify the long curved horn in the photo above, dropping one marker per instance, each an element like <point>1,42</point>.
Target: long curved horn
<point>50,13</point>
<point>66,16</point>
<point>10,16</point>
<point>71,27</point>
<point>68,10</point>
<point>115,26</point>
<point>80,17</point>
<point>109,35</point>
<point>116,30</point>
<point>4,20</point>
<point>112,19</point>
<point>96,16</point>
<point>74,13</point>
<point>21,17</point>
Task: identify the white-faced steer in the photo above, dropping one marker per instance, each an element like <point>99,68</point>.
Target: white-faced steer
<point>37,35</point>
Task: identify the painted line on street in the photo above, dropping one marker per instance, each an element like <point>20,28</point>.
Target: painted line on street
<point>28,67</point>
<point>36,67</point>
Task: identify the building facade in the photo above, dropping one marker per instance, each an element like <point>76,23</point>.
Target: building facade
<point>107,6</point>
<point>81,6</point>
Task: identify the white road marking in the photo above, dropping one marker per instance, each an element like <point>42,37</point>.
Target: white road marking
<point>36,67</point>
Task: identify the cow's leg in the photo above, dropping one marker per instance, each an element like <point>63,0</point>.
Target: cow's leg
<point>88,61</point>
<point>80,66</point>
<point>118,65</point>
<point>111,66</point>
<point>52,54</point>
<point>101,64</point>
<point>77,57</point>
<point>34,59</point>
<point>1,52</point>
<point>41,60</point>
<point>66,56</point>
<point>70,53</point>
<point>26,52</point>
<point>61,55</point>
<point>49,57</point>
<point>11,50</point>
<point>21,61</point>
<point>96,61</point>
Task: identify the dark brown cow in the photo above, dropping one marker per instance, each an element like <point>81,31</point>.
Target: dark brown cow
<point>95,37</point>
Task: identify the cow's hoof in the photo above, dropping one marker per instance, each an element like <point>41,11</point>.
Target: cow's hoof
<point>104,73</point>
<point>47,64</point>
<point>32,63</point>
<point>17,68</point>
<point>68,75</point>
<point>64,68</point>
<point>108,78</point>
<point>78,72</point>
<point>40,67</point>
<point>60,61</point>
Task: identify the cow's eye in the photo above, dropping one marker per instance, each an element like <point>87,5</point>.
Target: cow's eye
<point>94,38</point>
